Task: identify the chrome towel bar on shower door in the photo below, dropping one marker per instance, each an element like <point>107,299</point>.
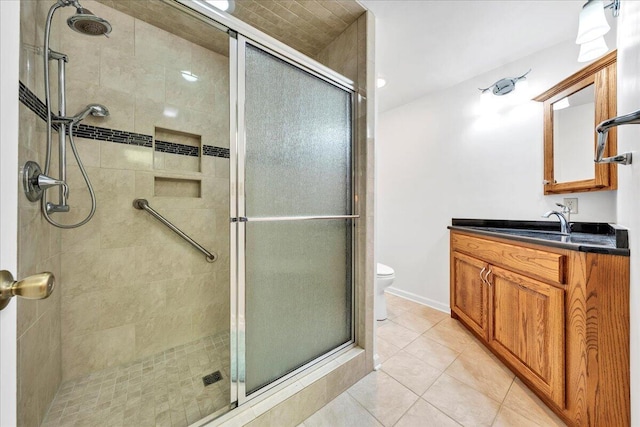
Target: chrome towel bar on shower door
<point>292,218</point>
<point>143,204</point>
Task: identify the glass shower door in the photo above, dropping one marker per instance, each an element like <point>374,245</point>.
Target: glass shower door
<point>295,218</point>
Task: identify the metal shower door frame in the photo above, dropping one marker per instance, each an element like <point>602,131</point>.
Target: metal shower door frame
<point>241,34</point>
<point>240,219</point>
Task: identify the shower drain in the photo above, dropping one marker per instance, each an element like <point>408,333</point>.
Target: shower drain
<point>212,378</point>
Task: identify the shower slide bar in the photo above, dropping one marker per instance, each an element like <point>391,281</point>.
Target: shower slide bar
<point>143,204</point>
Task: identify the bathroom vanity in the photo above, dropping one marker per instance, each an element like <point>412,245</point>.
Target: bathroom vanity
<point>553,308</point>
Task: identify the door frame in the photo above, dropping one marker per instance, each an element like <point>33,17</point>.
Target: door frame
<point>9,110</point>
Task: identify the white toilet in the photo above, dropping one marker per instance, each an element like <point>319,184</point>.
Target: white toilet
<point>384,278</point>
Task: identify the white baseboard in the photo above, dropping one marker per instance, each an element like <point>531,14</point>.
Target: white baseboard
<point>419,299</point>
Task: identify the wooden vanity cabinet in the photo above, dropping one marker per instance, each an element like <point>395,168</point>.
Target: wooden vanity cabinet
<point>558,318</point>
<point>469,291</point>
<point>526,328</point>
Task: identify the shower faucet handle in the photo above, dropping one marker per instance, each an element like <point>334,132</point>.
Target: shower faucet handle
<point>34,182</point>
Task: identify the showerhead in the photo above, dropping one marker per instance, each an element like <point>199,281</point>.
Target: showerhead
<point>96,110</point>
<point>85,22</point>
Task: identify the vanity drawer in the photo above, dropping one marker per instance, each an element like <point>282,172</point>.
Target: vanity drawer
<point>547,266</point>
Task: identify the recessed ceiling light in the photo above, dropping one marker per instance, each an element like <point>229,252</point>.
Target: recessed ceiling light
<point>380,82</point>
<point>189,76</point>
<point>220,4</point>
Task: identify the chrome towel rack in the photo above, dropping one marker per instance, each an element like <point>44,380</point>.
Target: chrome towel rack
<point>143,204</point>
<point>603,129</point>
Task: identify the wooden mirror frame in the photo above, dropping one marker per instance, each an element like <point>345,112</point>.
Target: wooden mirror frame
<point>602,74</point>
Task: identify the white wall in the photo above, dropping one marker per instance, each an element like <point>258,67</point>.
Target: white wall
<point>629,176</point>
<point>444,156</point>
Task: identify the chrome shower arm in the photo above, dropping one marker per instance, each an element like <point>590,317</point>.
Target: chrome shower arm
<point>603,129</point>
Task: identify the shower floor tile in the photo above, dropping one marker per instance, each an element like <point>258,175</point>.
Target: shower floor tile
<point>165,389</point>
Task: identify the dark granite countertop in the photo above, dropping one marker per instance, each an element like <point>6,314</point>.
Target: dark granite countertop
<point>585,236</point>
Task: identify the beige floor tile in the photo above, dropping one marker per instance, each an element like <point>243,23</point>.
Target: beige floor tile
<point>432,352</point>
<point>450,333</point>
<point>396,334</point>
<point>423,414</point>
<point>464,404</point>
<point>524,402</point>
<point>385,349</point>
<point>415,322</point>
<point>383,397</point>
<point>393,311</point>
<point>397,301</point>
<point>343,411</point>
<point>429,313</point>
<point>411,372</point>
<point>478,368</point>
<point>509,418</point>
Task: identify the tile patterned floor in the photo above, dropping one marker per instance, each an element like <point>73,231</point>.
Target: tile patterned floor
<point>162,390</point>
<point>434,373</point>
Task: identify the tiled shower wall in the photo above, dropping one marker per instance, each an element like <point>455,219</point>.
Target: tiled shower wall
<point>39,246</point>
<point>131,288</point>
<point>127,286</point>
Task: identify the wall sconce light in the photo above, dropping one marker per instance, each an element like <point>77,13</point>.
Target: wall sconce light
<point>504,86</point>
<point>592,27</point>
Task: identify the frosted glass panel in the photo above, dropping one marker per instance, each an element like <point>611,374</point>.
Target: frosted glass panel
<point>298,295</point>
<point>298,141</point>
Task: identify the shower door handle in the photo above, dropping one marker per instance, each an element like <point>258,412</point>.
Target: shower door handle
<point>297,218</point>
<point>38,286</point>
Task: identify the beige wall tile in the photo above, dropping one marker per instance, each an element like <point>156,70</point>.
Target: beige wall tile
<point>160,47</point>
<point>123,156</point>
<point>89,270</point>
<point>177,162</point>
<point>121,228</point>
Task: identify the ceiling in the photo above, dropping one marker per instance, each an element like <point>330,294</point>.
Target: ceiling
<point>423,46</point>
<point>306,25</point>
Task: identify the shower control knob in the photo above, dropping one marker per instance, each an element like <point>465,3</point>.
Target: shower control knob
<point>38,286</point>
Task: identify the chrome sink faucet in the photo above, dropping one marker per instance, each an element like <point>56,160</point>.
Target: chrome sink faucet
<point>565,225</point>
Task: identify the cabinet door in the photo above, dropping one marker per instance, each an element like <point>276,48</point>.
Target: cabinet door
<point>469,292</point>
<point>526,327</point>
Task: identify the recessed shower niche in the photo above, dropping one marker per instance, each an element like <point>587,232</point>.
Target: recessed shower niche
<point>177,151</point>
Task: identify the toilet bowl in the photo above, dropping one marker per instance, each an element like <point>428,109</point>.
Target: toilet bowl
<point>384,278</point>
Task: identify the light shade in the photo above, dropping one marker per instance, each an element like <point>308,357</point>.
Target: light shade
<point>593,23</point>
<point>592,50</point>
<point>563,103</point>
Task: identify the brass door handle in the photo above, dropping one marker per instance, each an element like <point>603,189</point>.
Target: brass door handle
<point>38,286</point>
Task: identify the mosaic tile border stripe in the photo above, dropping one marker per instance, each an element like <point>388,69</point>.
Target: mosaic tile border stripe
<point>31,101</point>
<point>175,148</point>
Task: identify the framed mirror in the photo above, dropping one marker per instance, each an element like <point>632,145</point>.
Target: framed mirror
<point>572,110</point>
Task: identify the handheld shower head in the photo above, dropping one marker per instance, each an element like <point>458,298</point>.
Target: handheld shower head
<point>96,110</point>
<point>85,22</point>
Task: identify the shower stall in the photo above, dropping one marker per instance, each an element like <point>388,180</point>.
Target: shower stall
<point>200,137</point>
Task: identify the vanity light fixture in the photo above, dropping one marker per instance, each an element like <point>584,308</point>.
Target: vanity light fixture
<point>592,49</point>
<point>592,27</point>
<point>562,104</point>
<point>503,86</point>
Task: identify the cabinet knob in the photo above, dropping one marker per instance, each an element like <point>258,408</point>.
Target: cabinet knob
<point>38,286</point>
